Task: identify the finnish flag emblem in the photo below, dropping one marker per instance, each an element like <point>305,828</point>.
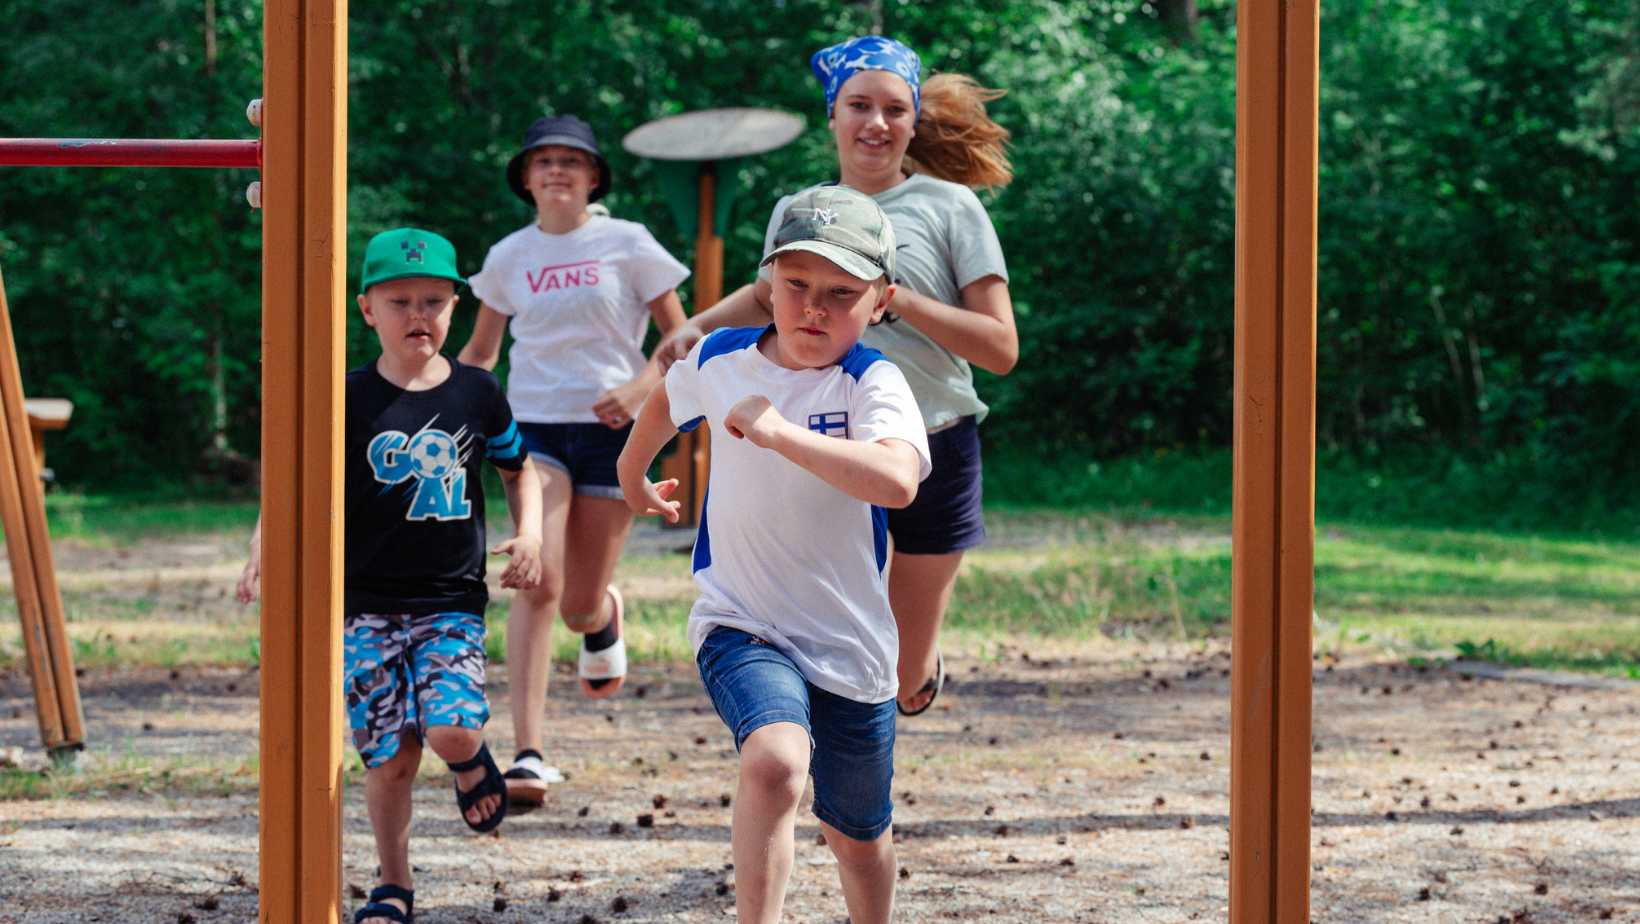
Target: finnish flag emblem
<point>833,424</point>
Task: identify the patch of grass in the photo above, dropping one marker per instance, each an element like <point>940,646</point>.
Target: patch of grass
<point>116,520</point>
<point>1104,588</point>
<point>1570,604</point>
<point>153,644</point>
<point>105,775</point>
<point>1560,601</point>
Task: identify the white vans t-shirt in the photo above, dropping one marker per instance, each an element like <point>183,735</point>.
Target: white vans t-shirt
<point>579,304</point>
<point>780,553</point>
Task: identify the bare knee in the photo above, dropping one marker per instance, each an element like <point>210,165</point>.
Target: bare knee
<point>401,767</point>
<point>775,760</point>
<point>454,743</point>
<point>584,623</point>
<point>862,857</point>
<point>545,595</point>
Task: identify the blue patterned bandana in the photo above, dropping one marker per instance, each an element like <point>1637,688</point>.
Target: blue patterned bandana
<point>832,66</point>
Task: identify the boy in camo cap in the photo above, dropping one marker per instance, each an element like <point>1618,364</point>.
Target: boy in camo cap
<point>419,427</point>
<point>792,632</point>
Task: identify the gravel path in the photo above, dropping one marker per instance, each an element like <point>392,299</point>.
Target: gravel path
<point>1074,784</point>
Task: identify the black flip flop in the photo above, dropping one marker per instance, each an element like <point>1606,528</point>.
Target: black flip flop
<point>933,686</point>
<point>378,908</point>
<point>493,784</point>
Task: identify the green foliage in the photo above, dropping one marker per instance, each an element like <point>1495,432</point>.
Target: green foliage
<point>134,292</point>
<point>1479,285</point>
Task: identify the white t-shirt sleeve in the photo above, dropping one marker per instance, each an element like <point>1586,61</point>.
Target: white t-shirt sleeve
<point>486,283</point>
<point>975,250</point>
<point>884,409</point>
<point>649,269</point>
<point>683,388</point>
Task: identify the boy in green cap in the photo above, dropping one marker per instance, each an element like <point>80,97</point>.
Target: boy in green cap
<point>419,425</point>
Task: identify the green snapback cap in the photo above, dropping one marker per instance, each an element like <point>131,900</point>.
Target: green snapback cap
<point>843,225</point>
<point>405,252</point>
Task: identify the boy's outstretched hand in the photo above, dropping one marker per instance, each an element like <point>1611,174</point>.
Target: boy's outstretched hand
<point>523,571</point>
<point>650,499</point>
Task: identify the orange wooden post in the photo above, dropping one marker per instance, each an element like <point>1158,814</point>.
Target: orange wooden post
<point>33,574</point>
<point>1272,593</point>
<point>708,292</point>
<point>692,461</point>
<point>304,196</point>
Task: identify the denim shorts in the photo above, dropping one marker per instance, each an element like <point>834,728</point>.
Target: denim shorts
<point>946,515</point>
<point>405,674</point>
<point>587,451</point>
<point>851,757</point>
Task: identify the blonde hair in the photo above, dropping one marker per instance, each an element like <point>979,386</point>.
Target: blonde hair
<point>956,140</point>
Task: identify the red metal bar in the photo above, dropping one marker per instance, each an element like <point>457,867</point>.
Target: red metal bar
<point>128,152</point>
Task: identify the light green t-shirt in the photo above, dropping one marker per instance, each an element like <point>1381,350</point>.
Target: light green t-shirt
<point>946,241</point>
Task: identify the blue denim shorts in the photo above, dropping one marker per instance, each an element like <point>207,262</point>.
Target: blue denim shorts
<point>945,517</point>
<point>587,451</point>
<point>405,674</point>
<point>852,744</point>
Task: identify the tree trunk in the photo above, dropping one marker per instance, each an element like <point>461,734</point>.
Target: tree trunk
<point>1180,17</point>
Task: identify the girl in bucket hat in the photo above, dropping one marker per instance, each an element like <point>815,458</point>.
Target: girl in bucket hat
<point>919,147</point>
<point>578,290</point>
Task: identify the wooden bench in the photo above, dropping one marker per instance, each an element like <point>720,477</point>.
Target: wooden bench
<point>46,414</point>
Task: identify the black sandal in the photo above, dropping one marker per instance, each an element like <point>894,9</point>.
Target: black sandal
<point>378,908</point>
<point>933,687</point>
<point>493,784</point>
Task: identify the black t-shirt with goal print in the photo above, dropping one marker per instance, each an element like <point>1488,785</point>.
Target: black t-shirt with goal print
<point>415,501</point>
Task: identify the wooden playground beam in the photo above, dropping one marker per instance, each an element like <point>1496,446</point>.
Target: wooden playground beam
<point>1272,579</point>
<point>33,573</point>
<point>304,253</point>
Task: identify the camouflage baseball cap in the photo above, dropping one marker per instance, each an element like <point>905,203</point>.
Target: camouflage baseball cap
<point>405,252</point>
<point>841,224</point>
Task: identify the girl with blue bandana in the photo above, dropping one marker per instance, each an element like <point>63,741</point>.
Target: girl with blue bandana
<point>918,147</point>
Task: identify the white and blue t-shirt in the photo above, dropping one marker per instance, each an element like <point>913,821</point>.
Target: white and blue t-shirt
<point>782,554</point>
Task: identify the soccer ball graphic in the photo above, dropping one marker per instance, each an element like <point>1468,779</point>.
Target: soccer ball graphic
<point>433,454</point>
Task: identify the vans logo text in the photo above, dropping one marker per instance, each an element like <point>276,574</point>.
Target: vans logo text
<point>567,276</point>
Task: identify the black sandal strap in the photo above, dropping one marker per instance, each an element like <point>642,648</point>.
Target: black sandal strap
<point>474,762</point>
<point>493,784</point>
<point>389,890</point>
<point>379,908</point>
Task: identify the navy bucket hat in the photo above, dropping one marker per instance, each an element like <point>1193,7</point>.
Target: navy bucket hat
<point>566,130</point>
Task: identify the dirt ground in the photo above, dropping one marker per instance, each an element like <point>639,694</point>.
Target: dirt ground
<point>1052,782</point>
<point>1061,785</point>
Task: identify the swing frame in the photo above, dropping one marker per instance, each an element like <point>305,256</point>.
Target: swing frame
<point>304,198</point>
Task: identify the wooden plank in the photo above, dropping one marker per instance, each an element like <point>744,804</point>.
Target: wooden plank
<point>1300,56</point>
<point>1273,524</point>
<point>304,262</point>
<point>28,545</point>
<point>324,281</point>
<point>708,292</point>
<point>47,709</point>
<point>691,462</point>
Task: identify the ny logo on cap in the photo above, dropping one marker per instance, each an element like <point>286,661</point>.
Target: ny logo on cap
<point>825,216</point>
<point>413,254</point>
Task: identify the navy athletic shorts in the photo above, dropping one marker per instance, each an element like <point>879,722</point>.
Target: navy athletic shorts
<point>587,451</point>
<point>946,516</point>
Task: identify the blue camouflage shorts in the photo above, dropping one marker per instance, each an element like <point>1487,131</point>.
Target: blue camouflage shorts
<point>407,673</point>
